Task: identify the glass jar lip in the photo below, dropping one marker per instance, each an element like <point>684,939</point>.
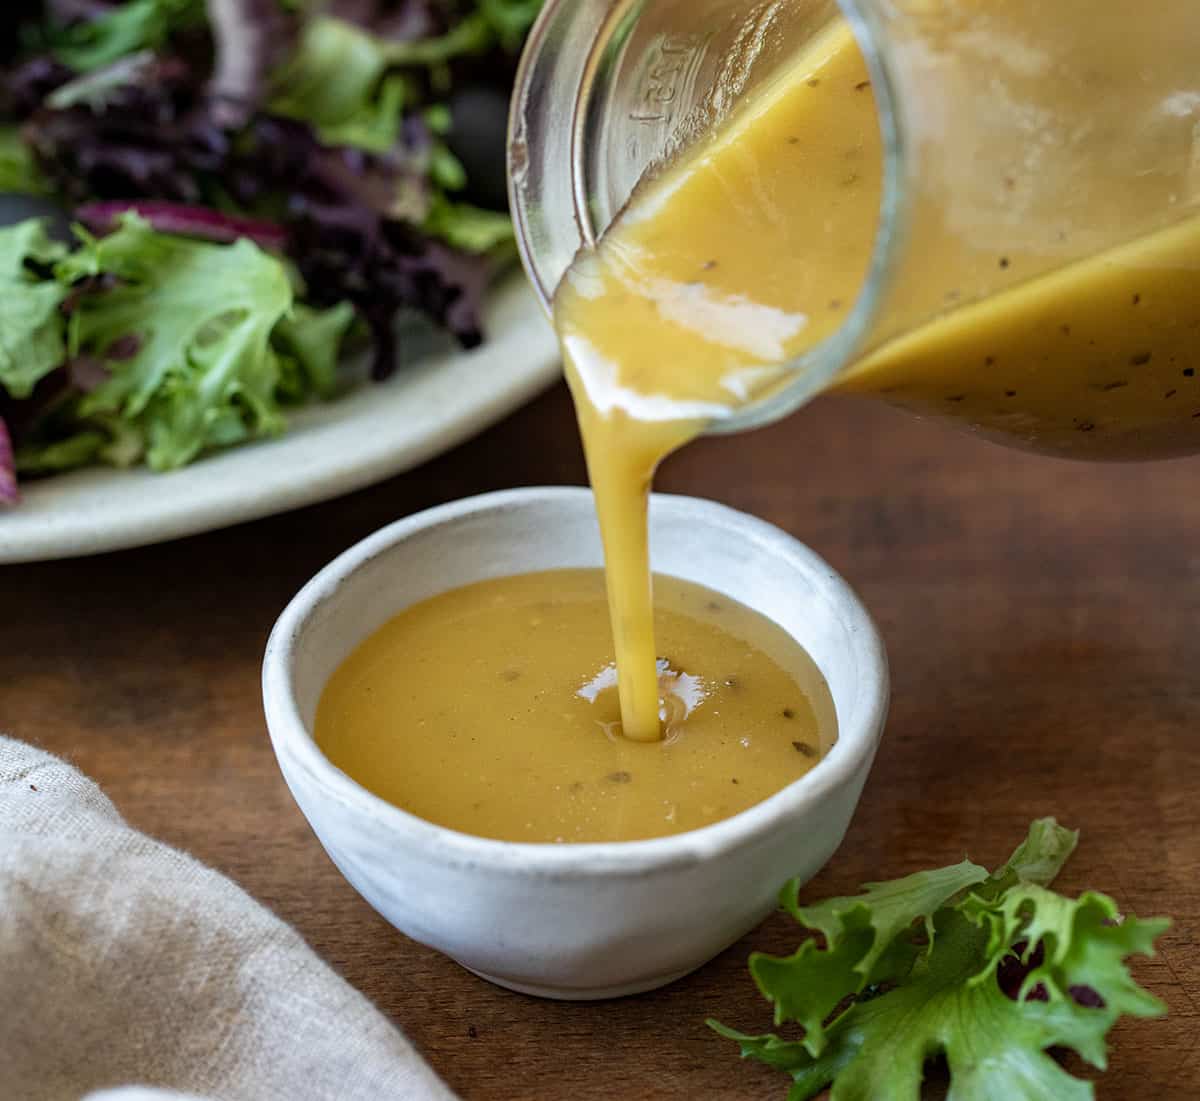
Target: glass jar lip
<point>539,232</point>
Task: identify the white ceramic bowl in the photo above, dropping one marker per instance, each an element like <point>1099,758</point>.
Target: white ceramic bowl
<point>574,921</point>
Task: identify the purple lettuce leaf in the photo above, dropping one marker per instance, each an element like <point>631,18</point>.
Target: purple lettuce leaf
<point>151,139</point>
<point>25,85</point>
<point>188,221</point>
<point>9,494</point>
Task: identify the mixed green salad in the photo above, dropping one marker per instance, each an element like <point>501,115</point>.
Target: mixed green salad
<point>203,201</point>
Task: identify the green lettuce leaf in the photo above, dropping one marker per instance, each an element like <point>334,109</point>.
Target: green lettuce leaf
<point>468,228</point>
<point>352,87</point>
<point>31,323</point>
<point>1038,859</point>
<point>509,20</point>
<point>18,172</point>
<point>312,340</point>
<point>79,449</point>
<point>337,82</point>
<point>941,995</point>
<point>203,372</point>
<point>125,29</point>
<point>858,932</point>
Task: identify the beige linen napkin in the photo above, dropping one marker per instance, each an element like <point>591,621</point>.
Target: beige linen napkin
<point>127,964</point>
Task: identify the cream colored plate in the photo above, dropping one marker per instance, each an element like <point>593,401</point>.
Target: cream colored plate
<point>371,433</point>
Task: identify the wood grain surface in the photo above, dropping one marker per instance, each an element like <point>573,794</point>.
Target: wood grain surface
<point>1043,622</point>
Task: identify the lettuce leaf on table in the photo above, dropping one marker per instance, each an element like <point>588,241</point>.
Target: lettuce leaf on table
<point>909,971</point>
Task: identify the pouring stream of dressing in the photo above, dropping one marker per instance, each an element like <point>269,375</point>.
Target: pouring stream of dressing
<point>751,248</point>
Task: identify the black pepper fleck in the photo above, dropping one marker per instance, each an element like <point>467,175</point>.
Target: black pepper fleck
<point>1140,360</point>
<point>735,780</point>
<point>1188,372</point>
<point>793,141</point>
<point>812,82</point>
<point>804,749</point>
<point>956,397</point>
<point>1170,393</point>
<point>713,606</point>
<point>732,682</point>
<point>1085,426</point>
<point>862,86</point>
<point>788,713</point>
<point>1136,299</point>
<point>33,787</point>
<point>708,265</point>
<point>988,361</point>
<point>472,1031</point>
<point>621,777</point>
<point>1107,386</point>
<point>1004,261</point>
<point>1010,393</point>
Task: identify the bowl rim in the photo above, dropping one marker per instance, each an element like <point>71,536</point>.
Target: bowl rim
<point>858,735</point>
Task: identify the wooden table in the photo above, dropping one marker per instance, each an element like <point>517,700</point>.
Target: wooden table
<point>1043,621</point>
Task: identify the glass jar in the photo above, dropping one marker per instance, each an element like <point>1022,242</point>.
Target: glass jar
<point>1020,139</point>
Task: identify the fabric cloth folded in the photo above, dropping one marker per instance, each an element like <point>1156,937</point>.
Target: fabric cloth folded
<point>131,972</point>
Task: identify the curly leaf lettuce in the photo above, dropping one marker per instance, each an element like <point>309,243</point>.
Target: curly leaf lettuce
<point>859,931</point>
<point>31,322</point>
<point>916,978</point>
<point>202,371</point>
<point>156,345</point>
<point>124,29</point>
<point>310,342</point>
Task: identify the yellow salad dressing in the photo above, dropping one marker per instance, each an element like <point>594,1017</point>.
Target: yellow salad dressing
<point>492,709</point>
